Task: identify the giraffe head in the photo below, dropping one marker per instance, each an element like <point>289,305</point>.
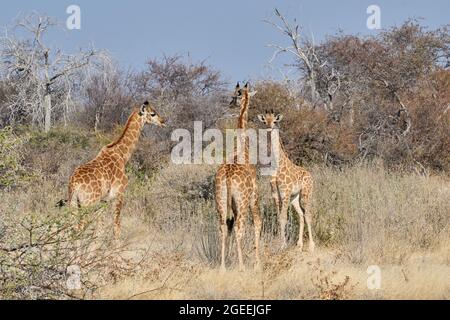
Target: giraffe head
<point>270,119</point>
<point>239,93</point>
<point>149,115</point>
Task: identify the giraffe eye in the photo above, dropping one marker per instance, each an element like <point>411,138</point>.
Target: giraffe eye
<point>152,114</point>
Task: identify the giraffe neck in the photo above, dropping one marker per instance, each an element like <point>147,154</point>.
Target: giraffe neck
<point>242,124</point>
<point>126,144</point>
<point>282,159</point>
<point>243,115</point>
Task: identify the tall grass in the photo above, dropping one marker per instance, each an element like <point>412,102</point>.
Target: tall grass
<point>366,212</point>
<point>380,216</point>
<point>363,215</point>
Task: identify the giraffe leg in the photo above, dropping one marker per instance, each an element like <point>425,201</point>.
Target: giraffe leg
<point>117,208</point>
<point>242,207</point>
<point>306,197</point>
<point>283,217</point>
<point>221,206</point>
<point>81,219</point>
<point>224,235</point>
<point>74,202</point>
<point>275,195</point>
<point>254,206</point>
<point>296,205</point>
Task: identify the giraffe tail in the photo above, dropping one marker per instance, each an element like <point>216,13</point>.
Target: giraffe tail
<point>63,202</point>
<point>230,216</point>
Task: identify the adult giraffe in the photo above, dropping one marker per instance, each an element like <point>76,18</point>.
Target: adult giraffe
<point>236,189</point>
<point>104,177</point>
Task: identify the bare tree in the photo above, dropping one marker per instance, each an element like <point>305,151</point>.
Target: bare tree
<point>42,78</point>
<point>322,79</point>
<point>106,94</point>
<point>188,90</point>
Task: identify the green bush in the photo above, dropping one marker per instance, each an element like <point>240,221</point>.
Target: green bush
<point>12,171</point>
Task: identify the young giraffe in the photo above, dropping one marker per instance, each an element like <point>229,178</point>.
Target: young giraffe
<point>236,184</point>
<point>104,177</point>
<point>290,182</point>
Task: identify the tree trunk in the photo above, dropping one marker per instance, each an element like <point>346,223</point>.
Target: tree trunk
<point>48,112</point>
<point>312,86</point>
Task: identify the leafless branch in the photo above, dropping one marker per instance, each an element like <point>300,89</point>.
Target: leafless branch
<point>41,78</point>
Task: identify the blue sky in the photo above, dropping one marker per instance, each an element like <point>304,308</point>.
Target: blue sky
<point>230,35</point>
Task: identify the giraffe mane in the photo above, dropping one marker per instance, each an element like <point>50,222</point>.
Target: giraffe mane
<point>127,125</point>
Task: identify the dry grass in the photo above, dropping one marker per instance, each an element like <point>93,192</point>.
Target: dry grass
<point>176,274</point>
<point>363,216</point>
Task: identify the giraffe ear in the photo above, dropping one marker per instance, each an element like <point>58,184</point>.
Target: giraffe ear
<point>278,117</point>
<point>252,93</point>
<point>262,118</point>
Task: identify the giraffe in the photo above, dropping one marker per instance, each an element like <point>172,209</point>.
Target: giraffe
<point>104,178</point>
<point>236,189</point>
<point>290,183</point>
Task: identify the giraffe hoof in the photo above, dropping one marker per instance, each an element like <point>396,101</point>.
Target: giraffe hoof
<point>222,270</point>
<point>300,246</point>
<point>311,248</point>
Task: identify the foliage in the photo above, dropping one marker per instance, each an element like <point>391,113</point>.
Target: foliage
<point>12,171</point>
